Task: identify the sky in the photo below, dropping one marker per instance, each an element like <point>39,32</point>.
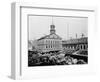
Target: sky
<point>66,27</point>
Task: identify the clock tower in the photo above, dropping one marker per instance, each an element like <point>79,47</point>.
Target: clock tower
<point>52,28</point>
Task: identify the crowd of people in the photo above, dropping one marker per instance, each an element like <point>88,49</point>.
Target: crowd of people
<point>38,59</point>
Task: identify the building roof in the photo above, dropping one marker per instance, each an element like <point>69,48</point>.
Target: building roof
<point>75,41</point>
<point>50,36</point>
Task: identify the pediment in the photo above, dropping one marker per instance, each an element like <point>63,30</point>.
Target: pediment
<point>53,36</point>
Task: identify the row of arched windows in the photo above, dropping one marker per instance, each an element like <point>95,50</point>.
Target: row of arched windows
<point>80,46</point>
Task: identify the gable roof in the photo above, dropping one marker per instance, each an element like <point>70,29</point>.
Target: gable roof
<point>48,37</point>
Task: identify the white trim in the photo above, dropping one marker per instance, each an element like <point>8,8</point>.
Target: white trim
<point>16,33</point>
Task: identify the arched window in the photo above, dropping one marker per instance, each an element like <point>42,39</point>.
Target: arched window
<point>84,47</point>
<point>51,45</point>
<point>46,46</point>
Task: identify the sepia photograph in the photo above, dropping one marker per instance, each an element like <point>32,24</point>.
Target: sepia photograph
<point>57,40</point>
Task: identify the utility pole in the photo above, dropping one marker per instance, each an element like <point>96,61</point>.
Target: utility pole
<point>52,20</point>
<point>76,35</point>
<point>67,30</point>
